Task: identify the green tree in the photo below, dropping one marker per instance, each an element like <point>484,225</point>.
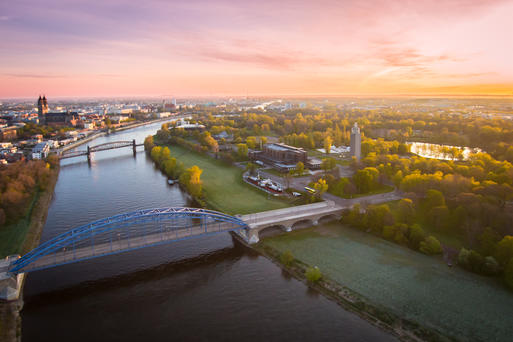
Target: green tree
<point>313,274</point>
<point>434,198</point>
<point>379,216</point>
<point>406,210</point>
<point>504,250</point>
<point>321,186</point>
<point>300,168</point>
<point>328,164</point>
<point>430,245</point>
<point>242,150</point>
<point>415,236</point>
<point>251,142</point>
<point>287,258</point>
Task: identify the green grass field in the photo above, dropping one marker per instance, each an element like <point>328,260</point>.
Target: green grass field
<point>223,186</point>
<point>460,304</point>
<point>13,235</point>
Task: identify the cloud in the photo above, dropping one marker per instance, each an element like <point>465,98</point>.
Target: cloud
<point>42,76</point>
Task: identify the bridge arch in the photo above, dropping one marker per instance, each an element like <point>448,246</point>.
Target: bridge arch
<point>124,232</point>
<point>328,218</point>
<point>271,230</point>
<point>303,223</point>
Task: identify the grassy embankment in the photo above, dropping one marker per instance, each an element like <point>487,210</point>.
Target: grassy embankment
<point>403,283</point>
<point>23,235</point>
<point>223,186</point>
<point>19,238</point>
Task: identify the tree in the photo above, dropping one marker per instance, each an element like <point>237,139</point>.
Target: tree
<point>251,142</point>
<point>327,144</point>
<point>430,245</point>
<point>321,186</point>
<point>328,164</point>
<point>504,250</point>
<point>313,274</point>
<point>508,274</point>
<point>210,142</point>
<point>192,181</point>
<point>251,168</point>
<point>155,153</point>
<point>363,181</point>
<point>406,210</point>
<point>488,241</point>
<point>415,236</point>
<point>287,258</point>
<point>300,168</point>
<point>434,198</point>
<point>242,150</point>
<point>439,216</point>
<point>379,216</point>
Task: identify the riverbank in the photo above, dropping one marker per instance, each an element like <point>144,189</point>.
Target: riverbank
<point>416,295</point>
<point>10,321</point>
<point>348,299</point>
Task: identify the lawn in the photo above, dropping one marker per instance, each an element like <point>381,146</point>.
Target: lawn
<point>460,304</point>
<point>13,235</point>
<point>223,186</point>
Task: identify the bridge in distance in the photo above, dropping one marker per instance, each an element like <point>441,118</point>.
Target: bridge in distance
<point>102,147</point>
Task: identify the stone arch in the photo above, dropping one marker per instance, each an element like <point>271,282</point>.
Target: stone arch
<point>303,223</point>
<point>328,218</point>
<point>271,231</point>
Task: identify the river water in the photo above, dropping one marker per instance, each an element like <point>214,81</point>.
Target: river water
<point>210,288</point>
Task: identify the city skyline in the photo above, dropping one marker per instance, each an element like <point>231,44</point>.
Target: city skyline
<point>223,48</point>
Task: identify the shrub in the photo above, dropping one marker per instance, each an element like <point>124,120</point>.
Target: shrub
<point>415,236</point>
<point>287,258</point>
<point>313,274</point>
<point>430,245</point>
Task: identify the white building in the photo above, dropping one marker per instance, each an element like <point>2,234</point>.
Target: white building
<point>41,150</point>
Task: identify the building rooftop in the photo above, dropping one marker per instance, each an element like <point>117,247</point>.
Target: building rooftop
<point>283,147</point>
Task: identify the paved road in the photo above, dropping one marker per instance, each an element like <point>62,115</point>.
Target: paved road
<point>372,199</point>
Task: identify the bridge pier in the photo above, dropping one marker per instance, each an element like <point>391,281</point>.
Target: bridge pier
<point>10,285</point>
<point>134,147</point>
<point>252,235</point>
<point>88,154</point>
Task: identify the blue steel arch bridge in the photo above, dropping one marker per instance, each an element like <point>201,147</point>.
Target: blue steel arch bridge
<point>125,232</point>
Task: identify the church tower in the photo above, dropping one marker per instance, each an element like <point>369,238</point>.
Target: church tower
<point>356,142</point>
<point>42,109</point>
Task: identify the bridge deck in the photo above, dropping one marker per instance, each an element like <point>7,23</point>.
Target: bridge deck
<point>116,246</point>
<point>267,218</point>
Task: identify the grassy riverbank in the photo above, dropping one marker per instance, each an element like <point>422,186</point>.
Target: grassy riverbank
<point>19,238</point>
<point>223,186</point>
<point>406,283</point>
<point>23,235</point>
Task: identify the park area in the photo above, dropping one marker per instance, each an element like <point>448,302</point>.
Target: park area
<point>223,186</point>
<point>412,285</point>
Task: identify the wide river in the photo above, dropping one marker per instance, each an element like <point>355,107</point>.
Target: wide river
<point>210,288</point>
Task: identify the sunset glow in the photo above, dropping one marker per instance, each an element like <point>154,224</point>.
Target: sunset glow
<point>211,48</point>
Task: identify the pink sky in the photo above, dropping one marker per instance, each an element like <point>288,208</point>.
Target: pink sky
<point>287,47</point>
